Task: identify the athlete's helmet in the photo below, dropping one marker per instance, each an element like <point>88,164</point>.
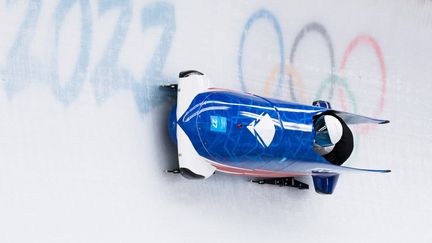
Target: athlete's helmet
<point>328,131</point>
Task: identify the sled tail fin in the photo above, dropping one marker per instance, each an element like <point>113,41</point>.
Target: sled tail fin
<point>346,168</point>
<point>350,118</point>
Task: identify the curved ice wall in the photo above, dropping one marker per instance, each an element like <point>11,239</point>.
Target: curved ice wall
<point>83,141</point>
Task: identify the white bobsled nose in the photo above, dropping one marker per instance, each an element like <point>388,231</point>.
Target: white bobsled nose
<point>192,165</point>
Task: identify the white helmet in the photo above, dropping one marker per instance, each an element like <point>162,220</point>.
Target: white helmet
<point>328,131</point>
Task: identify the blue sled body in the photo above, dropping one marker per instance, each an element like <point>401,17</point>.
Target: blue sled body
<point>246,134</point>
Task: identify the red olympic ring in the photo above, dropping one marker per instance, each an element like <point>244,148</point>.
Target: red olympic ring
<point>368,40</point>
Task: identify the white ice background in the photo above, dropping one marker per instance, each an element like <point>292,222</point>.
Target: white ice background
<point>83,138</point>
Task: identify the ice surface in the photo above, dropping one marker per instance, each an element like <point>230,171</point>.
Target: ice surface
<point>83,137</point>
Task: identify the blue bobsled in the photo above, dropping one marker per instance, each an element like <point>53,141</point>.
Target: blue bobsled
<point>268,139</point>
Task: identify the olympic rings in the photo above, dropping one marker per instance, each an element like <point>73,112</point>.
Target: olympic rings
<point>342,82</point>
<point>368,40</point>
<point>292,72</point>
<point>261,14</point>
<point>331,81</point>
<point>320,29</point>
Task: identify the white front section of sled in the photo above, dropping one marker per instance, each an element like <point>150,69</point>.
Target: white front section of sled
<point>188,88</point>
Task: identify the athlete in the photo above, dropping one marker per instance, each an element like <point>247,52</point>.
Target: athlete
<point>333,138</point>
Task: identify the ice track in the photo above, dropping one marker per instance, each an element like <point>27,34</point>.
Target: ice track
<point>83,138</point>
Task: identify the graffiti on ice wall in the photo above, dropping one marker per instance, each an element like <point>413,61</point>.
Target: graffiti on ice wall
<point>108,75</point>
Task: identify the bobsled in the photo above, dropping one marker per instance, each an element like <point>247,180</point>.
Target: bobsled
<point>270,140</point>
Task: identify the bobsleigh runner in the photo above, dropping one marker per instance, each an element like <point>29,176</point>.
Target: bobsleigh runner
<point>270,140</point>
